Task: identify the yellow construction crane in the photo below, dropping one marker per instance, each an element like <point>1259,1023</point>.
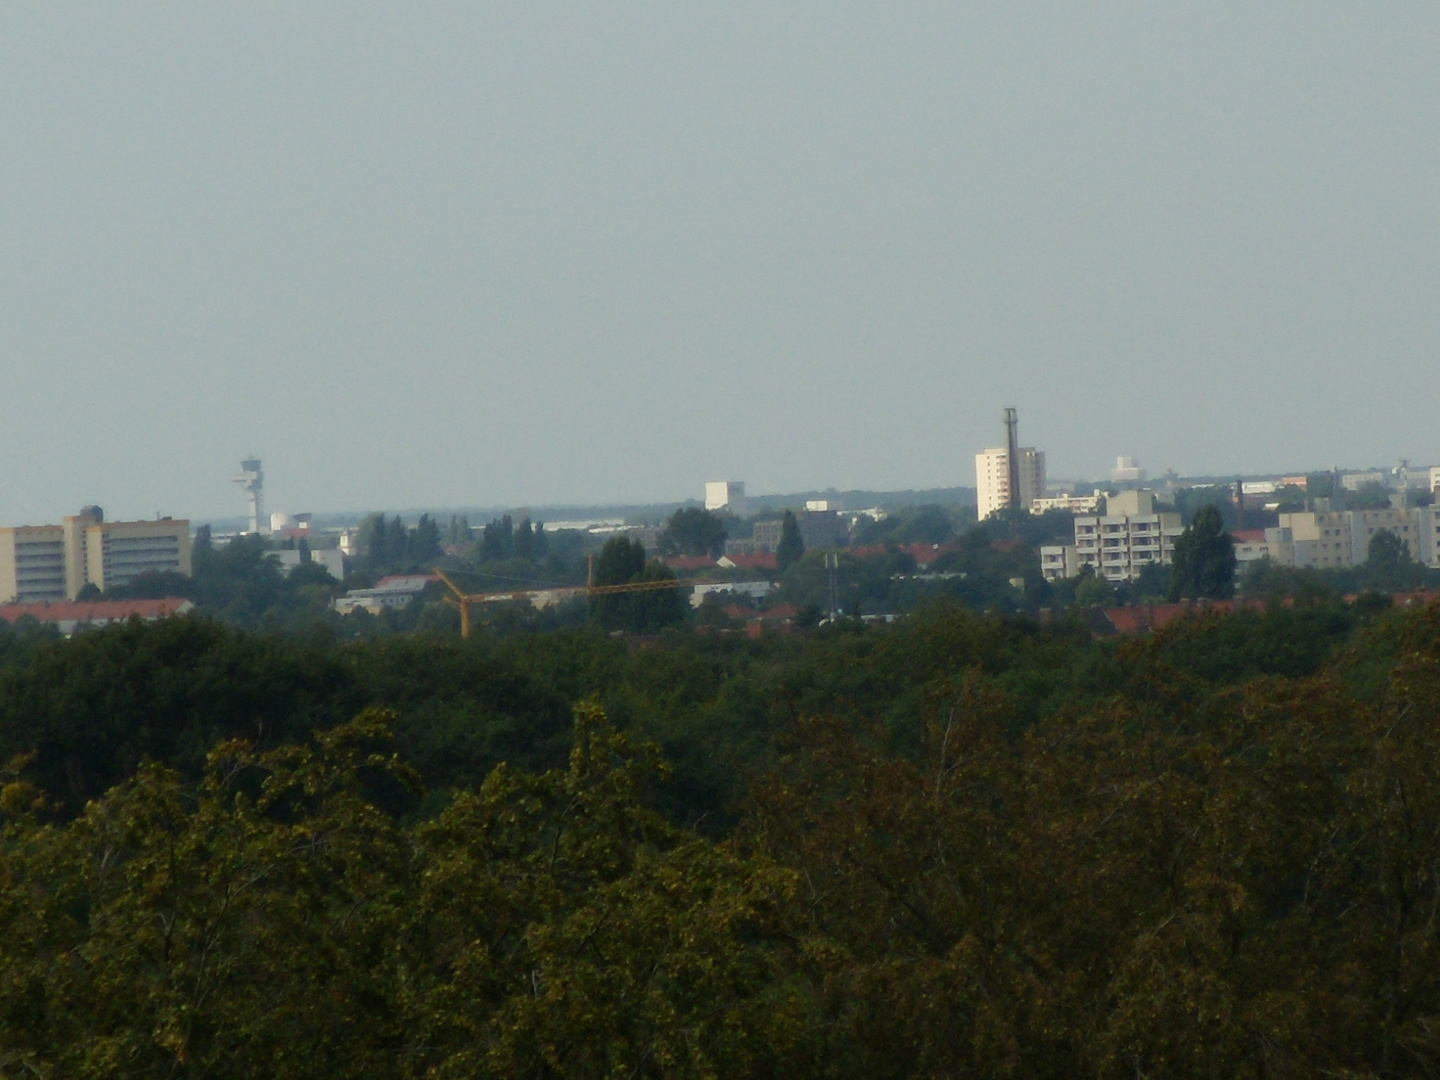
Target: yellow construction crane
<point>463,600</point>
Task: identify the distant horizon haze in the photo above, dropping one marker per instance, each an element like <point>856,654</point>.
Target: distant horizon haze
<point>447,254</point>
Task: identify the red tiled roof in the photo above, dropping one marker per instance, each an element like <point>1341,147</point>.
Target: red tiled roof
<point>780,611</point>
<point>754,560</point>
<point>97,610</point>
<point>1248,536</point>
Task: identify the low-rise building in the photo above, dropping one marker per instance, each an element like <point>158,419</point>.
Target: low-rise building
<point>1356,480</point>
<point>68,615</point>
<point>755,590</point>
<point>1253,545</point>
<point>395,591</point>
<point>1059,561</point>
<point>818,529</point>
<point>1074,504</point>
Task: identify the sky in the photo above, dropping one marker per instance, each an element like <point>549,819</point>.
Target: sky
<point>485,255</point>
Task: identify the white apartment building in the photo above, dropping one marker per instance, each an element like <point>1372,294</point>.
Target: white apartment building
<point>1341,538</point>
<point>1075,504</point>
<point>992,478</point>
<point>54,562</point>
<point>1130,536</point>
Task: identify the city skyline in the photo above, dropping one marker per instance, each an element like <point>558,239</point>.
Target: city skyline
<point>451,257</point>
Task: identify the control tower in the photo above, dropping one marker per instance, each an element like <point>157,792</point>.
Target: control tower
<point>252,479</point>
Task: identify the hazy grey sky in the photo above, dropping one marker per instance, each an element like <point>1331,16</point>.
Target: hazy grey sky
<point>420,254</point>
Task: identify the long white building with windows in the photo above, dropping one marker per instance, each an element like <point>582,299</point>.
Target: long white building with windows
<point>54,562</point>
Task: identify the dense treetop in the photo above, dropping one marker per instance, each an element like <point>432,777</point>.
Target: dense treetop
<point>959,845</point>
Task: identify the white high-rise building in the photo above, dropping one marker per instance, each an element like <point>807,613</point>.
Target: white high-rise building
<point>726,495</point>
<point>992,478</point>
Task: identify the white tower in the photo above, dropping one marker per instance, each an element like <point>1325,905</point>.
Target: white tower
<point>253,480</point>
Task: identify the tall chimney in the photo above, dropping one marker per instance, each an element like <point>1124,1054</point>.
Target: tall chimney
<point>1012,456</point>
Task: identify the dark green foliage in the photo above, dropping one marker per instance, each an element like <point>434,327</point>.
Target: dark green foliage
<point>956,846</point>
<point>497,541</point>
<point>388,547</point>
<point>525,541</point>
<point>1388,564</point>
<point>693,531</point>
<point>791,546</point>
<point>1191,502</point>
<point>1204,566</point>
<point>927,524</point>
<point>1368,496</point>
<point>622,562</point>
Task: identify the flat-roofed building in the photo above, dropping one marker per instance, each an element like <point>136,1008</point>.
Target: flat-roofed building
<point>54,562</point>
<point>1074,504</point>
<point>726,495</point>
<point>992,478</point>
<point>1059,561</point>
<point>1321,539</point>
<point>1130,536</point>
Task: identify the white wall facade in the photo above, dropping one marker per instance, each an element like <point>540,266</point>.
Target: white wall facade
<point>1129,537</point>
<point>992,478</point>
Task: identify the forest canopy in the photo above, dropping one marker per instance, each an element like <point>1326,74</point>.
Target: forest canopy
<point>960,845</point>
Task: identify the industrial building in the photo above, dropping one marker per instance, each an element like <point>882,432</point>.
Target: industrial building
<point>54,562</point>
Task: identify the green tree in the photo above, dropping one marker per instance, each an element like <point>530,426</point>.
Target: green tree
<point>791,546</point>
<point>1204,560</point>
<point>525,541</point>
<point>397,544</point>
<point>1369,496</point>
<point>497,540</point>
<point>459,533</point>
<point>373,540</point>
<point>693,531</point>
<point>424,541</point>
<point>622,562</point>
<point>1388,564</point>
<point>1095,591</point>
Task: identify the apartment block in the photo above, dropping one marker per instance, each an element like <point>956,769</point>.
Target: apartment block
<point>1275,544</point>
<point>1119,545</point>
<point>1321,540</point>
<point>1059,561</point>
<point>54,562</point>
<point>992,478</point>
